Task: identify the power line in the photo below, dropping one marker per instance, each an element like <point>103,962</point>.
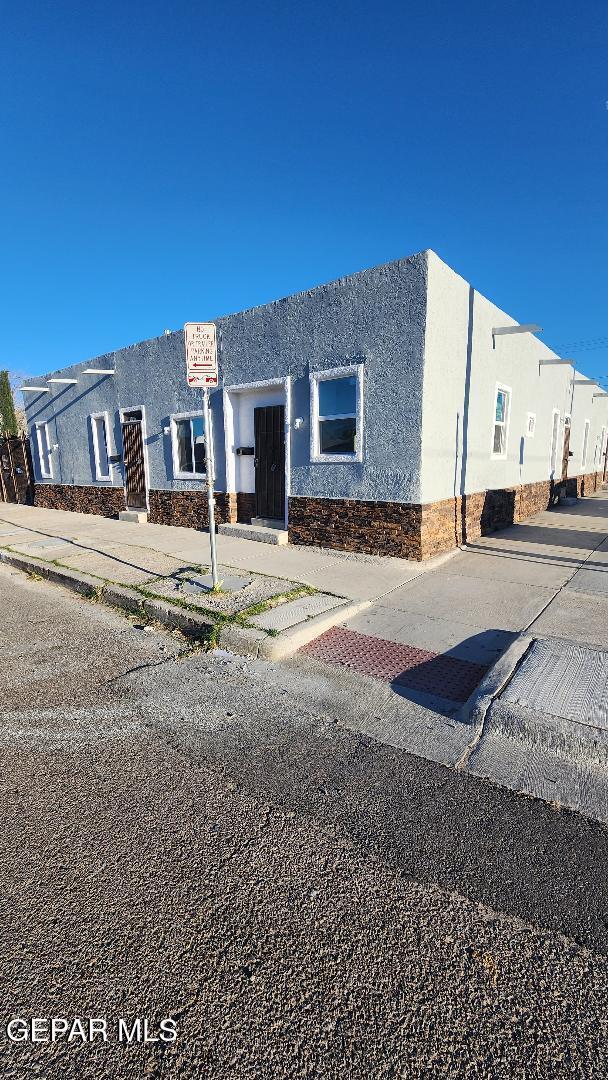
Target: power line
<point>588,344</point>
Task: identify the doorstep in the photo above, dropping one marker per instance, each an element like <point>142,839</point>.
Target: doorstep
<point>140,517</point>
<point>262,533</point>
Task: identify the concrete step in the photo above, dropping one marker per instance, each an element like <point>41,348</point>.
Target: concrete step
<point>138,516</point>
<point>255,532</point>
<point>268,523</point>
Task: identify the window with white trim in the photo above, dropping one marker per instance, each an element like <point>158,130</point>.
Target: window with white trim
<point>502,411</point>
<point>585,444</point>
<point>44,451</point>
<point>188,442</point>
<point>99,428</point>
<point>336,414</point>
<point>531,425</point>
<point>554,441</point>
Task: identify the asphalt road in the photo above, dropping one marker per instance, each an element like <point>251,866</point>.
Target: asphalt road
<point>186,837</point>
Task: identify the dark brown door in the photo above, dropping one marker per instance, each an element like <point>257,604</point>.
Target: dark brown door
<point>269,431</point>
<point>135,469</point>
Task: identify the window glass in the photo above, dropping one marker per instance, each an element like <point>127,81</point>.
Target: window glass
<point>198,435</point>
<point>184,445</point>
<point>44,450</point>
<point>103,467</point>
<point>189,436</point>
<point>501,406</point>
<point>337,436</point>
<point>501,416</point>
<point>338,397</point>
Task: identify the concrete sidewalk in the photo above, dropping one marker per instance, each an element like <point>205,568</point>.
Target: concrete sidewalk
<point>544,577</point>
<point>355,577</point>
<point>274,598</point>
<point>432,629</point>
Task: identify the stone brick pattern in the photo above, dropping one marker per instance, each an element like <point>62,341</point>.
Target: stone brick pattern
<point>377,528</point>
<point>105,501</point>
<point>447,524</point>
<point>587,484</point>
<point>245,507</point>
<point>189,508</point>
<point>414,531</point>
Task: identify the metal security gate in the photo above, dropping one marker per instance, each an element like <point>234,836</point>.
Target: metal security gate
<point>16,471</point>
<point>133,457</point>
<point>269,462</point>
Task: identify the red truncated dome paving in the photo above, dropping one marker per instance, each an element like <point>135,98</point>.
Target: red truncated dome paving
<point>428,672</point>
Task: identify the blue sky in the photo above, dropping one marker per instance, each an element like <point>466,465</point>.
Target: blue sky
<point>163,162</point>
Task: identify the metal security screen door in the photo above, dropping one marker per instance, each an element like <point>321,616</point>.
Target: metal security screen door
<point>133,455</point>
<point>269,433</point>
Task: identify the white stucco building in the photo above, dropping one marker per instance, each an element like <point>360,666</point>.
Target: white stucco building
<point>387,412</point>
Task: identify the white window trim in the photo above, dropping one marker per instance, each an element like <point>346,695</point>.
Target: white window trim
<point>177,472</point>
<point>507,424</point>
<point>530,434</point>
<point>39,427</point>
<point>553,467</point>
<point>585,449</point>
<point>98,473</point>
<point>321,376</point>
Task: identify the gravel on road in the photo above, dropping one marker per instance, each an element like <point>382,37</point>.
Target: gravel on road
<point>187,836</point>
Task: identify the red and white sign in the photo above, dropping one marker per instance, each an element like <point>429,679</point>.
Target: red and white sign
<point>201,353</point>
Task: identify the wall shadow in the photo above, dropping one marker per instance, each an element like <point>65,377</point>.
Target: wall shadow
<point>452,675</point>
<point>89,549</point>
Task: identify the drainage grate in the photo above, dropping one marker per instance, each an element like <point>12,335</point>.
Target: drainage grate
<point>428,672</point>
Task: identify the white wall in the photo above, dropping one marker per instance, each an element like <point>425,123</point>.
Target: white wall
<point>450,463</point>
<point>585,408</point>
<point>243,403</point>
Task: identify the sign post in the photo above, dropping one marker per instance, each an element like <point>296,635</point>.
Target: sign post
<point>201,371</point>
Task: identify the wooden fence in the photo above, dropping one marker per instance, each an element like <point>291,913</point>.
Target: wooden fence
<point>16,471</point>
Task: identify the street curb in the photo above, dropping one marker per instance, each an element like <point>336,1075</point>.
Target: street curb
<point>249,641</point>
<point>244,640</point>
<point>474,710</point>
<point>79,583</point>
<point>287,643</point>
<point>121,596</point>
<point>190,623</point>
